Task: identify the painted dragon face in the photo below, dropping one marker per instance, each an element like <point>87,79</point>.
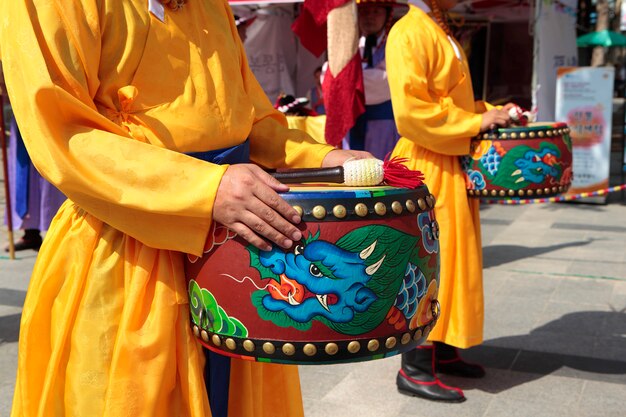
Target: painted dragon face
<point>535,165</point>
<point>320,279</point>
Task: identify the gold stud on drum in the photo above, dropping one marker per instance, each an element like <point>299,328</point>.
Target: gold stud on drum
<point>354,346</point>
<point>546,190</point>
<point>494,193</point>
<point>289,349</point>
<point>269,348</point>
<point>396,207</point>
<point>410,206</point>
<point>299,210</point>
<point>319,212</point>
<point>529,192</point>
<point>309,349</point>
<point>513,135</point>
<point>331,348</point>
<point>196,331</point>
<point>522,135</point>
<point>504,136</point>
<point>520,193</point>
<point>217,341</point>
<point>502,193</point>
<point>418,334</point>
<point>485,192</point>
<point>339,211</point>
<point>205,336</point>
<point>486,136</point>
<point>380,208</point>
<point>231,344</point>
<point>531,134</point>
<point>406,338</point>
<point>511,193</point>
<point>549,133</point>
<point>248,345</point>
<point>373,345</point>
<point>391,342</point>
<point>554,189</point>
<point>421,203</point>
<point>361,210</point>
<point>541,133</point>
<point>539,191</point>
<point>430,200</point>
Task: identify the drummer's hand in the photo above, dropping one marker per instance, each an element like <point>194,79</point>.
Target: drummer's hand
<point>247,202</point>
<point>494,118</point>
<point>508,106</point>
<point>337,157</point>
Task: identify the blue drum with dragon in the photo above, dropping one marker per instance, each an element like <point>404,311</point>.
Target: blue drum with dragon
<point>362,284</point>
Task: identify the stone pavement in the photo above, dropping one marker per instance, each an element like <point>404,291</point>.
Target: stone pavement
<point>555,327</point>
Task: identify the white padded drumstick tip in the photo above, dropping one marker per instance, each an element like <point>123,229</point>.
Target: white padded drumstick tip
<point>363,172</point>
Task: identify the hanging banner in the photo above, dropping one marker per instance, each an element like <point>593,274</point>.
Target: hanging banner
<point>584,100</point>
<point>555,46</point>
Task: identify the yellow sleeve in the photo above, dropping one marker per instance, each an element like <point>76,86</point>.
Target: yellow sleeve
<point>272,143</point>
<point>51,52</point>
<point>424,115</point>
<point>483,106</point>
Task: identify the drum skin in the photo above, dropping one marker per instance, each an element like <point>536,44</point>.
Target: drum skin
<point>361,285</point>
<point>534,161</point>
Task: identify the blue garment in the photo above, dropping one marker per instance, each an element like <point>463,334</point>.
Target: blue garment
<point>22,171</point>
<point>375,130</point>
<point>217,367</point>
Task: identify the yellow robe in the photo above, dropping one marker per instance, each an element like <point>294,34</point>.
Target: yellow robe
<point>436,115</point>
<point>109,98</point>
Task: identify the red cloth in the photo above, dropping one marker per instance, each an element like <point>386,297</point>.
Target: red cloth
<point>344,97</point>
<point>310,26</point>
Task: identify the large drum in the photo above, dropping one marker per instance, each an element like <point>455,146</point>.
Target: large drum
<point>362,283</point>
<point>533,161</point>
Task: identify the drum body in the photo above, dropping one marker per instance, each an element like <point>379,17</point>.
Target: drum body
<point>533,161</point>
<point>362,283</point>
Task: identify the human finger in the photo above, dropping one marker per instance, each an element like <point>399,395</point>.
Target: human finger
<point>249,236</point>
<point>277,213</point>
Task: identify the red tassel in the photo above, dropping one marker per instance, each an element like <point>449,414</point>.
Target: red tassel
<point>396,174</point>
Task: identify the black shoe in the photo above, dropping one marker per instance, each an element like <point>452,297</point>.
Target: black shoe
<point>433,390</point>
<point>417,377</point>
<point>449,362</point>
<point>28,241</point>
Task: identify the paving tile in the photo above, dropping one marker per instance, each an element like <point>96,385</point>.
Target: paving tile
<point>583,291</point>
<point>500,407</point>
<point>602,399</point>
<point>542,389</point>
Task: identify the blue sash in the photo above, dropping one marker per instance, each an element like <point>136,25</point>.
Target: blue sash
<point>22,172</point>
<point>217,367</point>
<point>382,111</point>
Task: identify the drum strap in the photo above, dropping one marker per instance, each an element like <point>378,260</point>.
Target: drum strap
<point>217,367</point>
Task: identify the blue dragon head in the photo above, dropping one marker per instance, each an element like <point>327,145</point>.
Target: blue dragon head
<point>349,285</point>
<point>535,165</point>
<point>325,279</point>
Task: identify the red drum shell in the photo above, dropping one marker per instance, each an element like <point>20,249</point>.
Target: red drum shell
<point>533,161</point>
<point>361,285</point>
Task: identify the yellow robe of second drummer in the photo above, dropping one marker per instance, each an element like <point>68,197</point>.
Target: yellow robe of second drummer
<point>437,116</point>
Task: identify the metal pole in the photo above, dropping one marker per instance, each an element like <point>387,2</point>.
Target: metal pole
<point>5,166</point>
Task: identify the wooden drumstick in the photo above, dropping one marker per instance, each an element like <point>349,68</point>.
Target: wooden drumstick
<point>356,172</point>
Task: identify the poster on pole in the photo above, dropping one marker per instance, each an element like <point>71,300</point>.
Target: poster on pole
<point>555,46</point>
<point>584,100</point>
